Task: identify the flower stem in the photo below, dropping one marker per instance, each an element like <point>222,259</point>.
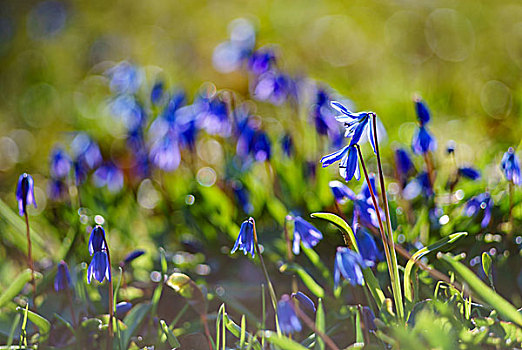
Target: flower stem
<point>510,184</point>
<point>73,315</point>
<point>396,286</point>
<point>312,326</point>
<point>111,296</point>
<point>289,253</point>
<point>30,256</point>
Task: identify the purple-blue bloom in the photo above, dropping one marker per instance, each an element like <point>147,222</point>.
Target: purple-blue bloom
<point>245,239</point>
<point>423,113</point>
<point>469,173</point>
<point>125,78</point>
<point>99,267</point>
<point>213,116</point>
<point>423,142</point>
<point>480,202</point>
<point>273,87</point>
<point>349,265</point>
<point>109,175</point>
<point>25,193</point>
<point>129,111</point>
<point>132,256</point>
<point>304,300</point>
<point>510,165</point>
<point>97,240</point>
<point>164,153</point>
<point>261,60</point>
<point>306,232</point>
<point>356,124</point>
<point>85,151</point>
<point>122,308</point>
<point>403,163</point>
<point>288,320</point>
<point>62,281</point>
<point>287,144</point>
<point>242,196</point>
<point>367,245</point>
<point>56,189</point>
<point>262,150</point>
<point>341,192</point>
<point>60,163</point>
<point>157,92</point>
<point>348,162</point>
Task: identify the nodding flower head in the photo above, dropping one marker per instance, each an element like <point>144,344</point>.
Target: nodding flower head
<point>62,281</point>
<point>132,256</point>
<point>25,193</point>
<point>341,192</point>
<point>469,173</point>
<point>261,60</point>
<point>304,300</point>
<point>99,267</point>
<point>97,240</point>
<point>157,93</point>
<point>348,162</point>
<point>349,265</point>
<point>510,165</point>
<point>367,245</point>
<point>287,144</point>
<point>403,163</point>
<point>478,203</point>
<point>245,239</point>
<point>165,153</point>
<point>306,232</point>
<point>125,78</point>
<point>423,142</point>
<point>122,308</point>
<point>288,320</point>
<point>109,175</point>
<point>423,113</point>
<point>60,163</point>
<point>356,124</point>
<point>85,152</point>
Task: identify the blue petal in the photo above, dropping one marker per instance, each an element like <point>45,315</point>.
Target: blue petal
<point>334,157</point>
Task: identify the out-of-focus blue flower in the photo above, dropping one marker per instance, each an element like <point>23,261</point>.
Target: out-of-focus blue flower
<point>510,165</point>
<point>273,87</point>
<point>419,185</point>
<point>230,55</point>
<point>60,163</point>
<point>213,116</point>
<point>261,60</point>
<point>261,149</point>
<point>122,308</point>
<point>469,172</point>
<point>450,147</point>
<point>366,244</point>
<point>57,189</point>
<point>127,109</point>
<point>62,281</point>
<point>341,192</point>
<point>97,240</point>
<point>478,203</point>
<point>157,92</point>
<point>245,239</point>
<point>176,101</point>
<point>242,196</point>
<point>349,264</point>
<point>25,193</point>
<point>288,320</point>
<point>99,267</point>
<point>324,115</point>
<point>306,232</point>
<point>187,129</point>
<point>85,151</point>
<point>403,163</point>
<point>423,142</point>
<point>368,319</point>
<point>304,300</point>
<point>164,153</point>
<point>423,113</point>
<point>125,78</point>
<point>246,135</point>
<point>46,19</point>
<point>356,124</point>
<point>110,176</point>
<point>287,144</point>
<point>132,256</point>
<point>348,162</point>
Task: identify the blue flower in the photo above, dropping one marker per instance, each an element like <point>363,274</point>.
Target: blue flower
<point>261,60</point>
<point>341,192</point>
<point>125,78</point>
<point>469,173</point>
<point>62,281</point>
<point>323,114</point>
<point>478,203</point>
<point>287,144</point>
<point>85,151</point>
<point>127,109</point>
<point>349,265</point>
<point>245,239</point>
<point>57,189</point>
<point>403,163</point>
<point>97,240</point>
<point>420,184</point>
<point>510,165</point>
<point>304,300</point>
<point>261,147</point>
<point>273,87</point>
<point>213,115</point>
<point>356,124</point>
<point>109,175</point>
<point>367,245</point>
<point>164,153</point>
<point>176,101</point>
<point>99,267</point>
<point>25,193</point>
<point>423,113</point>
<point>306,232</point>
<point>348,162</point>
<point>60,163</point>
<point>132,256</point>
<point>368,319</point>
<point>423,142</point>
<point>122,308</point>
<point>288,320</point>
<point>157,92</point>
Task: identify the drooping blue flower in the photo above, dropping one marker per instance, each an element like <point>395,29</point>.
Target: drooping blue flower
<point>245,239</point>
<point>423,142</point>
<point>356,124</point>
<point>85,151</point>
<point>349,265</point>
<point>230,55</point>
<point>261,60</point>
<point>109,175</point>
<point>469,173</point>
<point>262,150</point>
<point>132,256</point>
<point>25,193</point>
<point>99,267</point>
<point>157,92</point>
<point>62,281</point>
<point>176,101</point>
<point>287,144</point>
<point>305,232</point>
<point>403,163</point>
<point>60,163</point>
<point>213,116</point>
<point>423,113</point>
<point>97,240</point>
<point>478,203</point>
<point>367,245</point>
<point>164,153</point>
<point>324,115</point>
<point>341,192</point>
<point>304,300</point>
<point>348,162</point>
<point>288,320</point>
<point>56,189</point>
<point>273,87</point>
<point>125,78</point>
<point>122,308</point>
<point>421,184</point>
<point>368,319</point>
<point>510,165</point>
<point>129,111</point>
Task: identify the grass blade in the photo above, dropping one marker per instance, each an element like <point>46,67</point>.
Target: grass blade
<point>16,287</point>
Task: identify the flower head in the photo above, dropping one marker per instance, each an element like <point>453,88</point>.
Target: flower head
<point>125,78</point>
<point>356,124</point>
<point>306,232</point>
<point>60,163</point>
<point>510,165</point>
<point>132,256</point>
<point>97,240</point>
<point>304,300</point>
<point>341,192</point>
<point>99,267</point>
<point>165,154</point>
<point>62,281</point>
<point>469,173</point>
<point>245,239</point>
<point>122,308</point>
<point>288,320</point>
<point>25,193</point>
<point>348,162</point>
<point>423,142</point>
<point>367,245</point>
<point>349,265</point>
<point>403,163</point>
<point>109,175</point>
<point>157,92</point>
<point>423,113</point>
<point>261,60</point>
<point>478,203</point>
<point>287,144</point>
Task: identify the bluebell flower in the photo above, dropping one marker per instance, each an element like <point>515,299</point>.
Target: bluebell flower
<point>261,60</point>
<point>25,193</point>
<point>288,320</point>
<point>469,173</point>
<point>348,162</point>
<point>157,92</point>
<point>125,78</point>
<point>85,151</point>
<point>245,239</point>
<point>287,144</point>
<point>510,165</point>
<point>230,55</point>
<point>132,256</point>
<point>365,190</point>
<point>176,101</point>
<point>368,319</point>
<point>341,192</point>
<point>304,300</point>
<point>60,163</point>
<point>262,150</point>
<point>242,196</point>
<point>421,184</point>
<point>99,267</point>
<point>273,87</point>
<point>246,135</point>
<point>129,111</point>
<point>367,246</point>
<point>110,176</point>
<point>478,203</point>
<point>164,153</point>
<point>356,124</point>
<point>57,189</point>
<point>323,114</point>
<point>423,113</point>
<point>423,142</point>
<point>62,281</point>
<point>403,164</point>
<point>122,308</point>
<point>97,240</point>
<point>213,116</point>
<point>306,232</point>
<point>349,265</point>
<point>187,132</point>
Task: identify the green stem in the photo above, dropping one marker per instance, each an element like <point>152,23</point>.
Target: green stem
<point>30,256</point>
<point>111,297</point>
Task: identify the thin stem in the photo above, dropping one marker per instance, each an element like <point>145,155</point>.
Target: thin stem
<point>397,292</point>
<point>511,193</point>
<point>207,331</point>
<point>30,256</point>
<point>312,326</point>
<point>111,295</point>
<point>289,252</point>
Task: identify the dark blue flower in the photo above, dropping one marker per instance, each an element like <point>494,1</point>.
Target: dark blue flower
<point>287,144</point>
<point>62,281</point>
<point>403,163</point>
<point>99,267</point>
<point>213,116</point>
<point>348,162</point>
<point>288,320</point>
<point>356,124</point>
<point>261,147</point>
<point>56,189</point>
<point>164,153</point>
<point>341,192</point>
<point>176,101</point>
<point>97,240</point>
<point>478,203</point>
<point>304,300</point>
<point>419,185</point>
<point>367,245</point>
<point>349,265</point>
<point>125,78</point>
<point>122,308</point>
<point>110,176</point>
<point>510,165</point>
<point>60,163</point>
<point>25,193</point>
<point>245,239</point>
<point>423,113</point>
<point>157,92</point>
<point>306,232</point>
<point>423,142</point>
<point>324,115</point>
<point>273,87</point>
<point>469,173</point>
<point>132,256</point>
<point>368,319</point>
<point>261,60</point>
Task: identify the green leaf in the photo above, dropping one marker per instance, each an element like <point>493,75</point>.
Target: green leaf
<point>309,282</point>
<point>188,289</point>
<point>16,287</point>
<point>339,222</point>
<point>282,342</point>
<point>373,285</point>
<point>133,320</point>
<point>319,324</point>
<point>486,263</point>
<point>500,304</point>
<point>237,331</point>
<point>243,332</point>
<point>171,338</point>
<point>43,325</point>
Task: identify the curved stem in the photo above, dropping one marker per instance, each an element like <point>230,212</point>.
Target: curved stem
<point>111,296</point>
<point>30,256</point>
